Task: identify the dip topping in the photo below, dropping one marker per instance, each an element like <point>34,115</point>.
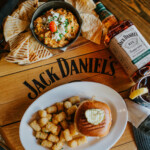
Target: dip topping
<point>52,26</point>
<point>94,116</point>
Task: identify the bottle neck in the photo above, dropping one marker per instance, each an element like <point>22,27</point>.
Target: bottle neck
<point>102,11</point>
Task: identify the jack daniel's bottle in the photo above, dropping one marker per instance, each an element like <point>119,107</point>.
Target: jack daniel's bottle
<point>127,44</point>
<point>107,18</point>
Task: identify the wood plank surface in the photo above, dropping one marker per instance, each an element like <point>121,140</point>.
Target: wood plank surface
<point>10,68</point>
<point>14,98</point>
<point>138,11</point>
<point>11,135</point>
<point>101,67</point>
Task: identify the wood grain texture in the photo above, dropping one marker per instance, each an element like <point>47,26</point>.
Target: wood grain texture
<point>14,98</point>
<point>126,146</point>
<point>10,68</point>
<point>138,11</point>
<point>11,134</point>
<point>14,95</point>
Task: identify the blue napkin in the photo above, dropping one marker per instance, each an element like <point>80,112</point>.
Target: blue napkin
<point>142,140</point>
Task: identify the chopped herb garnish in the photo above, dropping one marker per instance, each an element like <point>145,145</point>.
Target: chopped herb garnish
<point>71,29</point>
<point>60,35</point>
<point>56,31</point>
<point>66,39</point>
<point>50,120</point>
<point>54,17</point>
<point>41,37</point>
<point>61,148</point>
<point>66,22</point>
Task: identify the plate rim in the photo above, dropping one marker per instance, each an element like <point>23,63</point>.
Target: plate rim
<point>76,82</point>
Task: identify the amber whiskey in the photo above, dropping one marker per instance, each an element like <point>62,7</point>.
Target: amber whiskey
<point>107,18</point>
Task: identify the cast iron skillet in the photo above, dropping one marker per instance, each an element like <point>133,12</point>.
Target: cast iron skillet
<point>55,4</point>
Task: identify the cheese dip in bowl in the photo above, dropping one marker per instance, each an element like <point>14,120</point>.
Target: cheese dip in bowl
<point>56,28</point>
<point>56,24</point>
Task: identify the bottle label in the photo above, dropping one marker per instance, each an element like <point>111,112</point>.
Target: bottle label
<point>131,49</point>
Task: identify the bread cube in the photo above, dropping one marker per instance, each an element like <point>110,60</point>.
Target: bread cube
<point>53,138</point>
<point>74,99</point>
<point>51,109</point>
<point>41,135</point>
<point>67,104</point>
<point>67,135</point>
<point>46,143</point>
<point>72,110</point>
<point>35,126</point>
<point>42,113</point>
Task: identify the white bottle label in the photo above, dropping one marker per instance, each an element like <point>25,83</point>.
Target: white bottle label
<point>131,49</point>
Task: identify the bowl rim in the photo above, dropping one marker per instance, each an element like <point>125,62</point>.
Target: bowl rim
<point>78,18</point>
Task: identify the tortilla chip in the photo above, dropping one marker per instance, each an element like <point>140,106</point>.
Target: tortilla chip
<point>37,51</point>
<point>85,5</point>
<point>20,13</point>
<point>30,7</point>
<point>40,3</point>
<point>91,27</point>
<point>23,52</point>
<point>32,54</point>
<point>72,2</point>
<point>22,56</point>
<point>16,42</point>
<point>15,13</point>
<point>44,53</point>
<point>13,26</point>
<point>10,58</point>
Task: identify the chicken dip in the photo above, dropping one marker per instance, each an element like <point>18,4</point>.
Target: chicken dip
<point>56,28</point>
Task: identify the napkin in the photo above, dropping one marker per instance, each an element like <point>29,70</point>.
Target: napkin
<point>142,140</point>
<point>139,116</point>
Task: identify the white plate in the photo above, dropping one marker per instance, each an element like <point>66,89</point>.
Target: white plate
<point>84,90</point>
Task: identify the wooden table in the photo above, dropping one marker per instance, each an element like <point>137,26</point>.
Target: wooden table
<point>16,81</point>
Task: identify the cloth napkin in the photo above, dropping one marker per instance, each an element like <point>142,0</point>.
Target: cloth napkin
<point>139,117</point>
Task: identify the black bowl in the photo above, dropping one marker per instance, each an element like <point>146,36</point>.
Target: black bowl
<point>55,4</point>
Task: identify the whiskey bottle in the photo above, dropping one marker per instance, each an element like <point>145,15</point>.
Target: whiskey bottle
<point>126,43</point>
<point>107,18</point>
<point>130,48</point>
